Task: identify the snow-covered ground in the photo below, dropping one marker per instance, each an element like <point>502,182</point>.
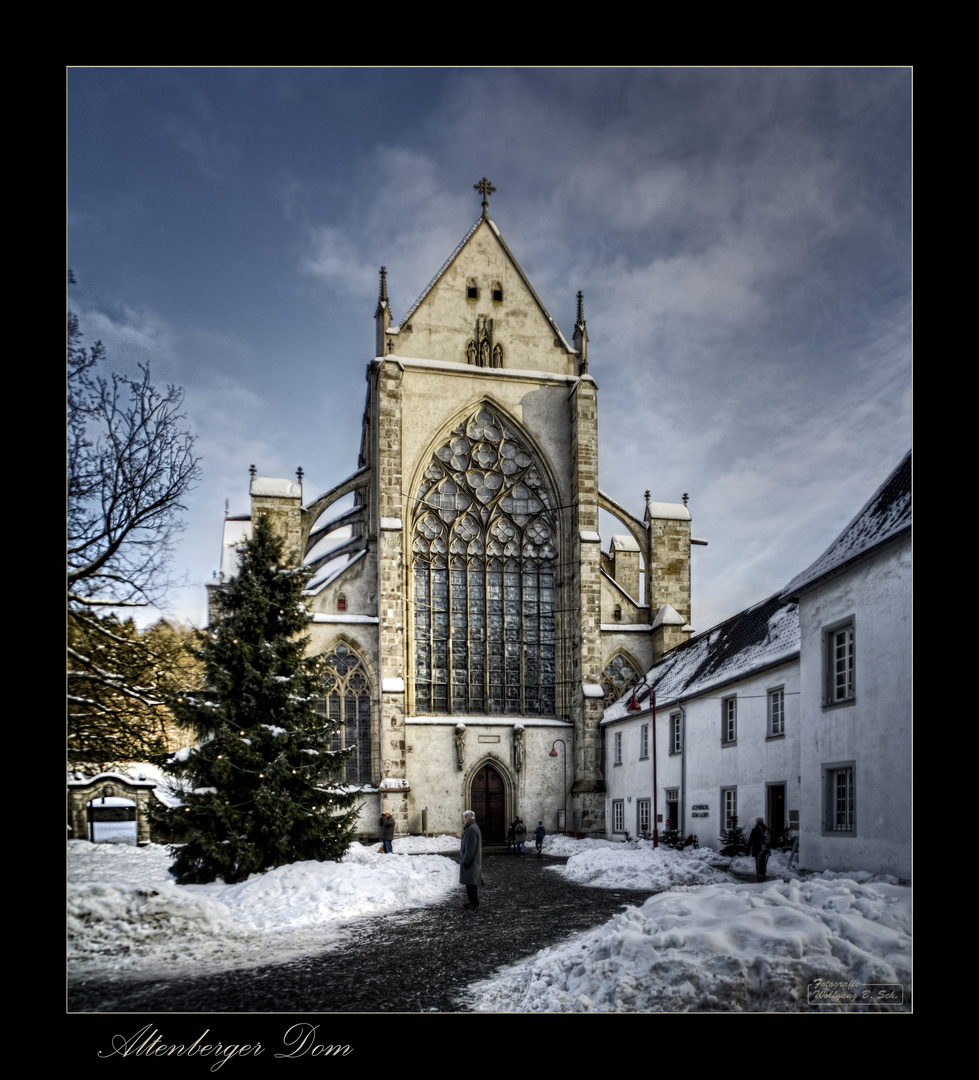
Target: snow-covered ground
<point>707,941</point>
<point>128,917</point>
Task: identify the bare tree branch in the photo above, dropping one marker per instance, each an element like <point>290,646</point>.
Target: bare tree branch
<point>130,464</point>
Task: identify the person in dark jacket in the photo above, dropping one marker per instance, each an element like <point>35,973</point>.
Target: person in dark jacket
<point>539,835</point>
<point>519,835</point>
<point>471,859</point>
<point>760,845</point>
<point>386,826</point>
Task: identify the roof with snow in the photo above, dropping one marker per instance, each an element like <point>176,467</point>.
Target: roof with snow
<point>885,516</point>
<point>754,639</point>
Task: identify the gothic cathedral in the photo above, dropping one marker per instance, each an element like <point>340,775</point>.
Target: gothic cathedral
<point>474,627</point>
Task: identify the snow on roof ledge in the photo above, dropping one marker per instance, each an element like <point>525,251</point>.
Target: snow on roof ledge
<point>668,616</point>
<point>281,489</point>
<point>624,543</point>
<point>668,511</point>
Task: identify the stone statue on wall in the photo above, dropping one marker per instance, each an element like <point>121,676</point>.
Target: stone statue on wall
<point>461,745</point>
<point>518,747</point>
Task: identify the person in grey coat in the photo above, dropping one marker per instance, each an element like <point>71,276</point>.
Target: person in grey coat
<point>471,859</point>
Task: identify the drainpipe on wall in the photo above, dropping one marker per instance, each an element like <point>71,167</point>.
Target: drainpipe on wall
<point>683,771</point>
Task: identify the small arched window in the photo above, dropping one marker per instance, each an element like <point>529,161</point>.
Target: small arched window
<point>472,292</point>
<point>498,292</point>
<point>617,678</point>
<point>342,602</point>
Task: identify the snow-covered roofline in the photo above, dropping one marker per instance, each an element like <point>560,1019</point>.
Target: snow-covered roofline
<point>760,637</point>
<point>885,516</point>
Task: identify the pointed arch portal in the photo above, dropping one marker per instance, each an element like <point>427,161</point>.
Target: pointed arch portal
<point>487,799</point>
<point>484,554</point>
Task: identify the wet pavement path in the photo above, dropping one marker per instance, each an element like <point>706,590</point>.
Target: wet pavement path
<point>412,961</point>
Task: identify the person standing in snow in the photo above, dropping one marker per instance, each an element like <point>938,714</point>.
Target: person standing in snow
<point>539,835</point>
<point>471,859</point>
<point>386,825</point>
<point>519,835</point>
<point>760,845</point>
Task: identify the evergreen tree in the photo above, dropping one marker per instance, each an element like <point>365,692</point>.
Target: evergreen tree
<point>733,839</point>
<point>262,786</point>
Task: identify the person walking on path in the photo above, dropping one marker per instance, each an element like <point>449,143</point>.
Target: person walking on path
<point>471,859</point>
<point>539,835</point>
<point>386,825</point>
<point>519,835</point>
<point>760,845</point>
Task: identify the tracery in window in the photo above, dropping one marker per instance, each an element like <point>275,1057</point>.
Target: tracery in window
<point>483,567</point>
<point>347,701</point>
<point>617,677</point>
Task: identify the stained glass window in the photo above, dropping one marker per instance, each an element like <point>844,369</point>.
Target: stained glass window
<point>347,701</point>
<point>483,576</point>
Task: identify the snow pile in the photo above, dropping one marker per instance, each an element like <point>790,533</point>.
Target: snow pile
<point>646,867</point>
<point>556,844</point>
<point>722,948</point>
<point>126,915</point>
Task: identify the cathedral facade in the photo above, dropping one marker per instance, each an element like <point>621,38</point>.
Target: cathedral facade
<point>473,625</point>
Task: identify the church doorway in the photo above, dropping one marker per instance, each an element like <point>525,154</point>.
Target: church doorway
<point>776,810</point>
<point>488,802</point>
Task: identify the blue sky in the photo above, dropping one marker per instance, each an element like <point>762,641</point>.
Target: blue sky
<point>742,238</point>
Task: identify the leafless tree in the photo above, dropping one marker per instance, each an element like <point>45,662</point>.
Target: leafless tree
<point>130,463</point>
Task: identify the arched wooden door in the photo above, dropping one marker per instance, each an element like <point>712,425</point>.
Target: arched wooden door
<point>488,802</point>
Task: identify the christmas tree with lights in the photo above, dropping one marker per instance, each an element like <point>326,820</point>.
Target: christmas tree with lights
<point>262,787</point>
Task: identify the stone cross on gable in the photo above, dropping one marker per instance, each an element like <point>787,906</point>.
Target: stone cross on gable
<point>485,188</point>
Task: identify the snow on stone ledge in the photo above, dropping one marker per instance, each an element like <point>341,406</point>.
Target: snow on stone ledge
<point>271,487</point>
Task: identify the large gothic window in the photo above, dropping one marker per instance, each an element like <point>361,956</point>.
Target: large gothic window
<point>347,701</point>
<point>483,565</point>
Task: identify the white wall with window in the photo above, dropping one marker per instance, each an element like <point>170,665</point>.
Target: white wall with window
<point>839,664</point>
<point>729,807</point>
<point>856,718</point>
<point>629,775</point>
<point>729,720</point>
<point>776,713</point>
<point>759,773</point>
<point>676,732</point>
<point>717,734</point>
<point>855,700</point>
